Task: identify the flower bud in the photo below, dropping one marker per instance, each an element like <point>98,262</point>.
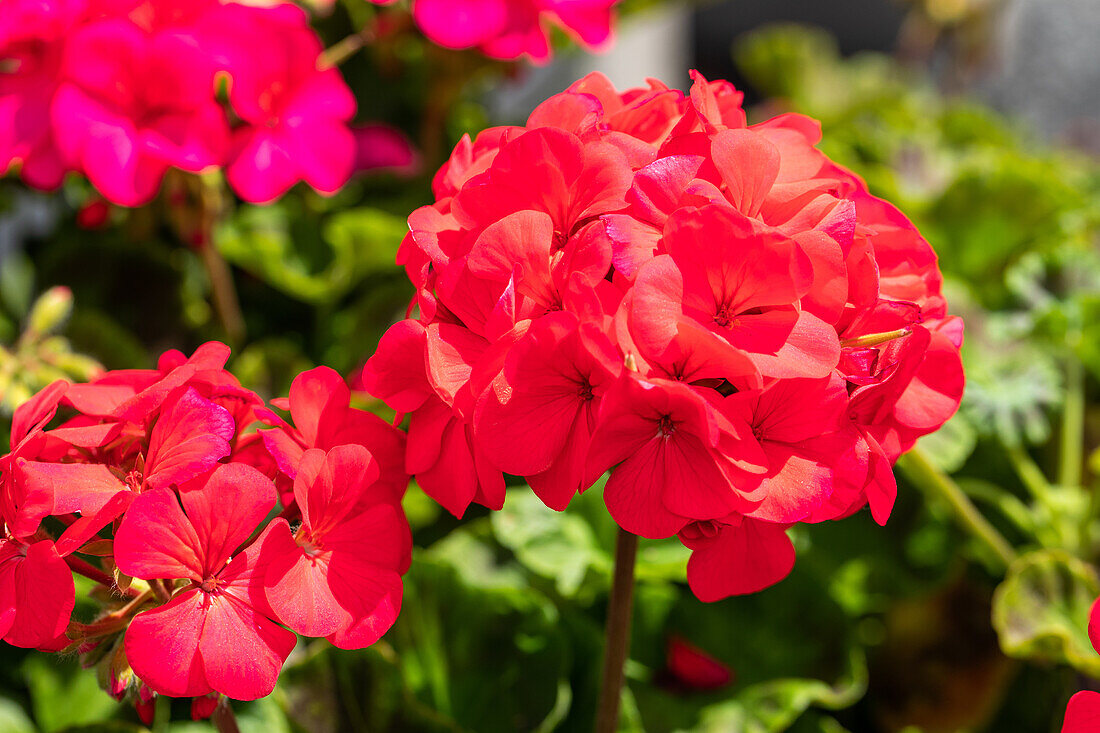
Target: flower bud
<point>51,310</point>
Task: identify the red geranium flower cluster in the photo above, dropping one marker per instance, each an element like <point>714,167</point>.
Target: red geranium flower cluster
<point>508,29</point>
<point>714,311</point>
<point>212,542</point>
<point>123,90</point>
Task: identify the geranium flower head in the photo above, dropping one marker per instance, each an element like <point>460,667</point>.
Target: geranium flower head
<point>643,283</point>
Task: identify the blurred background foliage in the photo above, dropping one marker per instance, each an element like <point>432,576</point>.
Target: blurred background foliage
<point>912,627</point>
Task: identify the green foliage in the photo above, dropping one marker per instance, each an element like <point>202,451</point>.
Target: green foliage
<point>1041,610</point>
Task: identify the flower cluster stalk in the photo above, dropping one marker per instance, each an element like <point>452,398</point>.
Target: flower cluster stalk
<point>617,632</point>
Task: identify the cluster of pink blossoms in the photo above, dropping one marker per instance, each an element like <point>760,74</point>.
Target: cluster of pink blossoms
<point>508,29</point>
<point>716,312</point>
<point>212,542</point>
<point>122,90</point>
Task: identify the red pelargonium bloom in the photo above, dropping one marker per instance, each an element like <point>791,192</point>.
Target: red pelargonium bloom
<point>714,311</point>
<point>168,459</point>
<point>736,555</point>
<point>320,405</point>
<point>811,450</point>
<point>733,290</point>
<point>537,418</point>
<point>217,633</point>
<point>338,575</point>
<point>508,29</point>
<point>676,457</point>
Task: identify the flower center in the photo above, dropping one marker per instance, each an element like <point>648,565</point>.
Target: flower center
<point>585,391</point>
<point>725,317</point>
<point>666,426</point>
<point>209,585</point>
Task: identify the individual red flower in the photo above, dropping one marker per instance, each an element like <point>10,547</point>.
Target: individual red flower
<point>537,418</point>
<point>676,458</point>
<point>338,575</point>
<point>736,555</point>
<point>217,633</point>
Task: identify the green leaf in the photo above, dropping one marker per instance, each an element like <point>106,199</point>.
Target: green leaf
<point>284,248</point>
<point>949,447</point>
<point>556,545</point>
<point>578,545</point>
<point>483,659</point>
<point>17,284</point>
<point>64,695</point>
<point>13,719</point>
<point>773,706</point>
<point>1041,610</point>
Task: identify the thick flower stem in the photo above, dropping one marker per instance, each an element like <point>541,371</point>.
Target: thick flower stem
<point>924,474</point>
<point>617,632</point>
<point>223,718</point>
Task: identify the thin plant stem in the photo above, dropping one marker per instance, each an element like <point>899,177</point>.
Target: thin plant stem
<point>617,632</point>
<point>344,49</point>
<point>162,714</point>
<point>226,303</point>
<point>1073,425</point>
<point>927,476</point>
<point>223,718</point>
<point>1034,480</point>
<point>91,572</point>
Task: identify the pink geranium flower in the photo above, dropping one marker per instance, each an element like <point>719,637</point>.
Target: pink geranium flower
<point>133,104</point>
<point>508,29</point>
<point>296,114</point>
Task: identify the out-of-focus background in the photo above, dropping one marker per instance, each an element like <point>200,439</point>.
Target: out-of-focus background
<point>979,118</point>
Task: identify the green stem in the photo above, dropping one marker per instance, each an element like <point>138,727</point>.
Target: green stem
<point>162,714</point>
<point>1073,425</point>
<point>924,474</point>
<point>617,633</point>
<point>1033,478</point>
